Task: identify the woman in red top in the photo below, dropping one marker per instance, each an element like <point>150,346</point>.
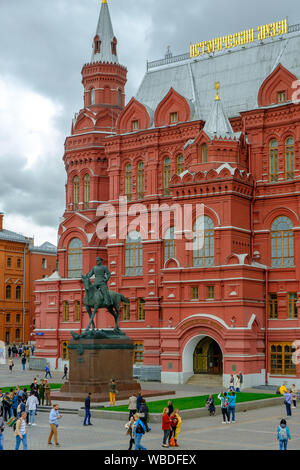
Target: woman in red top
<point>166,426</point>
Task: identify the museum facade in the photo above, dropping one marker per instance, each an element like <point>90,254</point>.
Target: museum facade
<point>197,178</point>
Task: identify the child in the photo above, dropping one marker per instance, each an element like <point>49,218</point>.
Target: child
<point>283,434</point>
<point>211,405</point>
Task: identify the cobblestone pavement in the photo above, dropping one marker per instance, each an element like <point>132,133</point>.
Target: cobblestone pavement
<point>254,430</point>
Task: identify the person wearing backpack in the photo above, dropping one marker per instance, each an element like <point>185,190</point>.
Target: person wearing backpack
<point>224,407</point>
<point>283,435</point>
<point>139,431</point>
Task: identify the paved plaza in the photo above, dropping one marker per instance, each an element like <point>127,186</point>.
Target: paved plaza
<point>254,430</point>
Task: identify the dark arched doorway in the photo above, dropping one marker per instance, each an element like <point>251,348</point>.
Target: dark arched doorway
<point>208,358</point>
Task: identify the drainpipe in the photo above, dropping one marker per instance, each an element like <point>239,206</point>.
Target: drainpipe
<point>57,327</point>
<point>24,290</point>
<point>266,326</point>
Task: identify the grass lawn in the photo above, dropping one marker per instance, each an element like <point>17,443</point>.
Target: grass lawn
<point>52,387</point>
<point>188,403</point>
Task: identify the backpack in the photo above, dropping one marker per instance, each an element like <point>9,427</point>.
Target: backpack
<point>140,429</point>
<point>226,403</point>
<point>283,433</point>
<point>174,421</point>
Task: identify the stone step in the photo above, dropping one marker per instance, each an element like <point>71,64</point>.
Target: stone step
<point>206,380</point>
<point>47,409</point>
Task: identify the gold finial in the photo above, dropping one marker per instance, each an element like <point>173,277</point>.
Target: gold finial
<point>104,1</point>
<point>217,87</point>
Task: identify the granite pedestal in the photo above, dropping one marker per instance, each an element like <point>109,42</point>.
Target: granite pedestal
<point>93,363</point>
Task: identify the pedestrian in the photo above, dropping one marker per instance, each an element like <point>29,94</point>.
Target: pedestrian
<point>112,392</point>
<point>132,405</point>
<point>47,372</point>
<point>210,403</point>
<point>170,407</point>
<point>283,434</point>
<point>34,387</point>
<point>130,431</point>
<point>87,407</point>
<point>7,402</point>
<point>65,372</point>
<point>53,421</point>
<point>294,395</point>
<point>21,408</point>
<point>139,431</point>
<point>27,353</point>
<point>1,402</point>
<point>282,389</point>
<point>32,403</point>
<point>20,432</point>
<point>166,427</point>
<point>224,406</point>
<point>32,350</point>
<point>139,401</point>
<point>178,427</point>
<point>143,413</point>
<point>9,351</point>
<point>47,392</point>
<point>15,403</point>
<point>23,360</point>
<point>41,392</point>
<point>1,431</point>
<point>241,379</point>
<point>231,406</point>
<point>11,364</point>
<point>174,422</point>
<point>288,402</point>
<point>237,383</point>
<point>231,383</point>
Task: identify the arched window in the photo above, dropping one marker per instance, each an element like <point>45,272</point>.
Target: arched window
<point>93,96</point>
<point>289,158</point>
<point>179,164</point>
<point>141,311</point>
<point>77,310</point>
<point>167,175</point>
<point>140,180</point>
<point>204,153</point>
<point>282,240</point>
<point>134,254</point>
<point>75,193</point>
<point>66,311</point>
<point>128,181</point>
<point>169,244</point>
<point>203,250</point>
<point>18,292</point>
<point>97,45</point>
<point>273,160</point>
<point>8,292</point>
<point>75,258</point>
<point>86,200</point>
<point>114,46</point>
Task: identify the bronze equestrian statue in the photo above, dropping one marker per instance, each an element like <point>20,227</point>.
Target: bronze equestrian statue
<point>98,296</point>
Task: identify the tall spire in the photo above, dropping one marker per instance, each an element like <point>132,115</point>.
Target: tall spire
<point>105,42</point>
<point>217,124</point>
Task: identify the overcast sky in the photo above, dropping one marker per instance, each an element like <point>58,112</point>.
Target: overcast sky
<point>43,46</point>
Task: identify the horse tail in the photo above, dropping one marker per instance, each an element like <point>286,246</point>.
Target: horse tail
<point>124,299</point>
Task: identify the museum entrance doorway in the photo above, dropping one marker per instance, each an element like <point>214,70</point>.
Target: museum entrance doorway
<point>208,357</point>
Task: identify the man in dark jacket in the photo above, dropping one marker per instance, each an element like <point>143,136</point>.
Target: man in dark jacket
<point>87,407</point>
<point>143,412</point>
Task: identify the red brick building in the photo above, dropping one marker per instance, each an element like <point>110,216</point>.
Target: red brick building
<point>230,303</point>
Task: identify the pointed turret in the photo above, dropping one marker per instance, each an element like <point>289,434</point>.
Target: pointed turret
<point>105,42</point>
<point>218,125</point>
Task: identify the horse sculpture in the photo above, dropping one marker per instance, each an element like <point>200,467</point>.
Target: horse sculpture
<point>94,300</point>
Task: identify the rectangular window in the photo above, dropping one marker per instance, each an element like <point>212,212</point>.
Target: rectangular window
<point>292,307</point>
<point>195,293</point>
<point>8,262</point>
<point>281,96</point>
<point>18,263</point>
<point>126,312</point>
<point>18,318</point>
<point>141,311</point>
<point>281,359</point>
<point>273,308</point>
<point>210,292</point>
<point>138,352</point>
<point>173,118</point>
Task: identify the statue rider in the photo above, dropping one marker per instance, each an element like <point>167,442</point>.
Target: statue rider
<point>102,276</point>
